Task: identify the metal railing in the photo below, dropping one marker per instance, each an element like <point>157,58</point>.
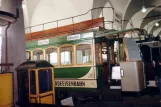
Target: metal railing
<point>71,21</point>
<point>90,15</point>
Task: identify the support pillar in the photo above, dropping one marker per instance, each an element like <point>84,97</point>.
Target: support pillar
<point>16,39</point>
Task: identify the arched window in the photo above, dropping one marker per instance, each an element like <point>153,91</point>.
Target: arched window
<point>52,55</point>
<point>83,54</point>
<point>28,55</point>
<point>66,53</point>
<point>38,54</point>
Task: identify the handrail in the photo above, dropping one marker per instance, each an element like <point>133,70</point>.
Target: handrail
<point>41,27</point>
<point>42,36</point>
<point>71,17</point>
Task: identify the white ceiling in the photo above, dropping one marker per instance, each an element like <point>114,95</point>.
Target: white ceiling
<point>42,11</point>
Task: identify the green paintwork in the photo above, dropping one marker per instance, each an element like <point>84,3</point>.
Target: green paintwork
<point>71,72</point>
<point>58,41</point>
<point>74,72</point>
<point>100,78</point>
<point>34,44</point>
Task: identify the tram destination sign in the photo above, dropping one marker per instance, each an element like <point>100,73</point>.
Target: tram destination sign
<point>117,18</point>
<point>73,37</point>
<point>76,83</point>
<point>69,83</point>
<point>43,42</point>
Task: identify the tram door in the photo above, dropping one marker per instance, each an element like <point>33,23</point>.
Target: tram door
<point>23,87</point>
<point>41,86</point>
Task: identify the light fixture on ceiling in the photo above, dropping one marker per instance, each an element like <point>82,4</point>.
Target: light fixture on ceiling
<point>0,31</point>
<point>23,4</point>
<point>157,24</point>
<point>143,9</point>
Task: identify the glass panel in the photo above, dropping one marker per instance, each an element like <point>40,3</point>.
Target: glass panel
<point>122,53</point>
<point>155,54</point>
<point>32,82</point>
<point>104,52</point>
<point>45,80</point>
<point>98,50</point>
<point>23,86</point>
<point>110,54</point>
<point>66,55</point>
<point>38,54</point>
<point>52,55</point>
<point>28,55</point>
<point>83,54</point>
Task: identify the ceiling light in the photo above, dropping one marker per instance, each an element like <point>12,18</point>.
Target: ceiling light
<point>23,6</point>
<point>157,24</point>
<point>0,31</point>
<point>143,9</point>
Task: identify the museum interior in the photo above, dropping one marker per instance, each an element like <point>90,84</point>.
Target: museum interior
<point>80,53</point>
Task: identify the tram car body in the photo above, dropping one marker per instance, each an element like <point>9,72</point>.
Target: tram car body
<point>81,66</point>
<point>77,60</point>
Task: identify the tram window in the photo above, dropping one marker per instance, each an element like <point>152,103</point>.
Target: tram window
<point>32,82</point>
<point>45,80</point>
<point>38,54</point>
<point>66,55</point>
<point>52,55</point>
<point>122,53</point>
<point>104,52</point>
<point>155,54</point>
<point>83,53</point>
<point>28,55</point>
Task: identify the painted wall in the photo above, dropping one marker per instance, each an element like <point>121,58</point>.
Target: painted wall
<point>16,39</point>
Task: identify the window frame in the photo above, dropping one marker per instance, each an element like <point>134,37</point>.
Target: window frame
<point>29,55</point>
<point>58,56</point>
<point>38,49</point>
<point>30,77</point>
<point>91,54</point>
<point>73,58</point>
<point>38,70</point>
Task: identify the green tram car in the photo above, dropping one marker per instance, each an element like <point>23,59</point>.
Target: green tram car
<point>83,62</point>
<point>77,60</point>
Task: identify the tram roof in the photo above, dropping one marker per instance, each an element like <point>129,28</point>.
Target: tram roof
<point>34,64</point>
<point>121,33</point>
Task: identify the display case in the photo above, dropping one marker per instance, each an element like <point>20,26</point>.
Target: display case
<point>132,76</point>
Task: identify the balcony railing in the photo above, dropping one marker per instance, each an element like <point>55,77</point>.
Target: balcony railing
<point>75,24</point>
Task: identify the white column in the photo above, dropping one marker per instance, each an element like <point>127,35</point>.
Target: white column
<point>16,39</point>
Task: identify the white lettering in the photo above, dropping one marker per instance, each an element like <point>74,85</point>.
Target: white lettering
<point>73,37</point>
<point>43,42</point>
<point>76,83</point>
<point>70,83</point>
<point>117,18</point>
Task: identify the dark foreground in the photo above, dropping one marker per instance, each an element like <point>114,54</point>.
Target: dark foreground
<point>144,101</point>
